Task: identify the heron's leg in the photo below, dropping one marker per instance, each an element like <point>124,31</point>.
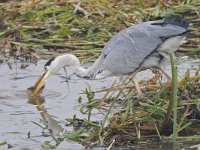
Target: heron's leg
<point>67,79</point>
<point>169,79</point>
<point>137,87</point>
<point>140,95</point>
<point>65,71</point>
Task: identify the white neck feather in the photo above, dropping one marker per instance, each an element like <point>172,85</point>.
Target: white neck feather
<point>71,60</point>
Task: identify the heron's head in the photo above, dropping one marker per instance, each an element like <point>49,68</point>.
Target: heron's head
<point>50,68</point>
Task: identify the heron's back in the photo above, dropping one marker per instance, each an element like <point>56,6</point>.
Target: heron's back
<point>127,50</point>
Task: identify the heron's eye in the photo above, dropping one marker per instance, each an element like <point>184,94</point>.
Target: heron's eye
<point>46,67</point>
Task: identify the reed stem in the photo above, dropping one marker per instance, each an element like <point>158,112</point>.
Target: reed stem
<point>174,95</point>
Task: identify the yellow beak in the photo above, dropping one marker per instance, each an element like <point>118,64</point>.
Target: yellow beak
<point>39,83</point>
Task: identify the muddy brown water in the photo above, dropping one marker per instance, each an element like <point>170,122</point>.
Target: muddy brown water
<point>17,114</point>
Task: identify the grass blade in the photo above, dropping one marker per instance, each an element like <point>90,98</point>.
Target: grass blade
<point>174,95</point>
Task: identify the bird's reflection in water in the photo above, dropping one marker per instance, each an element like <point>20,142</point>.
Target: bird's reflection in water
<point>51,124</point>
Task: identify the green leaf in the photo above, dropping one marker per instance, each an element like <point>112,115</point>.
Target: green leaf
<point>3,143</point>
<point>75,136</point>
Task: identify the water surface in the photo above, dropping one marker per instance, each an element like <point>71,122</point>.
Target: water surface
<point>61,102</point>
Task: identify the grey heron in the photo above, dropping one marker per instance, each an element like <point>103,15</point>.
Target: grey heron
<point>145,45</point>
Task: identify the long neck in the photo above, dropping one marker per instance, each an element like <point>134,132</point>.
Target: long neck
<point>89,72</point>
<point>80,71</point>
<point>72,60</point>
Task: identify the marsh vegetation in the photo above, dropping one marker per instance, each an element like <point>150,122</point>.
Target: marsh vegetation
<point>31,31</point>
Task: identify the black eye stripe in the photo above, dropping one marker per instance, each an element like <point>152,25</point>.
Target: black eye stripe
<point>48,63</point>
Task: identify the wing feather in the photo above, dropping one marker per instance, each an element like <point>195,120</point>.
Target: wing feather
<point>125,52</point>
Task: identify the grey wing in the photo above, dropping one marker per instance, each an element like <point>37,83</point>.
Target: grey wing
<point>125,52</point>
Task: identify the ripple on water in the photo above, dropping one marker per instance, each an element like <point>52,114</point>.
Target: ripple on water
<point>50,94</point>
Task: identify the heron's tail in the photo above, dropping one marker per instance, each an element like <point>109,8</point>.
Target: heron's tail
<point>178,21</point>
